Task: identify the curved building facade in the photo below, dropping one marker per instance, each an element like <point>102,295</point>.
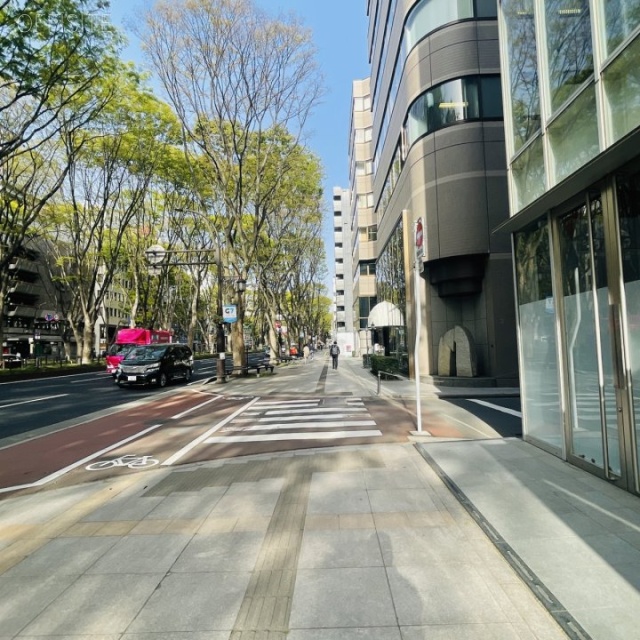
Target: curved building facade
<point>439,158</point>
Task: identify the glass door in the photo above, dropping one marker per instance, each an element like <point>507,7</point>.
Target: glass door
<point>593,429</point>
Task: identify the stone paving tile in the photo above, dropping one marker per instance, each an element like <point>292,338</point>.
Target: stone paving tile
<point>356,521</point>
<point>24,598</point>
<point>63,557</point>
<point>95,604</point>
<point>341,548</point>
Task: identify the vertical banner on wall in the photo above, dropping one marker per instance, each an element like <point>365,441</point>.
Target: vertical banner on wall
<point>419,253</point>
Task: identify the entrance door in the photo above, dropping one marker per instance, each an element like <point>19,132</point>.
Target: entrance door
<point>595,425</point>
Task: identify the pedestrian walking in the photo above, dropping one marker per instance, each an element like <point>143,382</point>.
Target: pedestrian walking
<point>305,352</point>
<point>334,352</point>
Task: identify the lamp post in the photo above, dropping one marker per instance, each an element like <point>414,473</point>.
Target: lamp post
<point>158,256</point>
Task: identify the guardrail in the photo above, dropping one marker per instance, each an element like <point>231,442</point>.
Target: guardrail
<point>385,373</point>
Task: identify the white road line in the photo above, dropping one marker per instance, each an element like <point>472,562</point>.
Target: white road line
<point>484,403</point>
<point>323,435</point>
<point>468,425</point>
<point>70,467</point>
<point>287,403</point>
<point>200,439</point>
<point>15,404</point>
<point>312,419</point>
<point>198,406</point>
<point>295,410</point>
<point>311,425</point>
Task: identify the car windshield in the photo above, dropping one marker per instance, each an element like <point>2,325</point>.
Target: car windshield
<point>119,349</point>
<point>146,352</point>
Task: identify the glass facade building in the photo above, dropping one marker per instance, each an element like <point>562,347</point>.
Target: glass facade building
<point>571,90</point>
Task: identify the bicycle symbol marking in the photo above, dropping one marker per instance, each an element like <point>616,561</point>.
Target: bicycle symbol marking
<point>130,460</point>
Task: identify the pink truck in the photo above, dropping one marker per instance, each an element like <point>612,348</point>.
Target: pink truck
<point>128,338</point>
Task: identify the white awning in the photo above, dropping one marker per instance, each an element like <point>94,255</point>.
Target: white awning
<point>385,314</point>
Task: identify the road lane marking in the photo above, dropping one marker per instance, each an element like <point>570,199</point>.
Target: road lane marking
<point>311,425</point>
<point>316,410</point>
<point>93,456</point>
<point>287,403</point>
<point>15,404</point>
<point>194,443</point>
<point>198,406</point>
<point>484,403</point>
<point>318,419</point>
<point>322,435</point>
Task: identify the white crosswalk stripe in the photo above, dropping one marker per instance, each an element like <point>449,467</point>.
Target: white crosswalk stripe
<point>309,419</point>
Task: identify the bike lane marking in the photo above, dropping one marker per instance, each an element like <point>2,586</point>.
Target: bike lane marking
<point>70,467</point>
<point>34,461</point>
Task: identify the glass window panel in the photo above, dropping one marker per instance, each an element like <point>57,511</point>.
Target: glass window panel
<point>574,135</point>
<point>622,90</point>
<point>580,336</point>
<point>491,96</point>
<point>529,180</point>
<point>539,384</point>
<point>621,17</point>
<point>523,69</point>
<point>628,192</point>
<point>569,47</point>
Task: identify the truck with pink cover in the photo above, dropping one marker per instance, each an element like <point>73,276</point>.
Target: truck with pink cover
<point>126,339</point>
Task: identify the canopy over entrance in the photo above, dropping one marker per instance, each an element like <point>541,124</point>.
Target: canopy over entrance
<point>385,314</point>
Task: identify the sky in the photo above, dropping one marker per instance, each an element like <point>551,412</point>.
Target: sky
<point>339,30</point>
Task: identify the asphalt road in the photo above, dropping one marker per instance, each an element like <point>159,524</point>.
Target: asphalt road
<point>30,405</point>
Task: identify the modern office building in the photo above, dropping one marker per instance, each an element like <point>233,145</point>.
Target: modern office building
<point>439,160</point>
<point>572,110</point>
<point>363,224</point>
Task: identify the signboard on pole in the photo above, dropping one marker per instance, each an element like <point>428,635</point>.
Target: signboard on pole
<point>229,313</point>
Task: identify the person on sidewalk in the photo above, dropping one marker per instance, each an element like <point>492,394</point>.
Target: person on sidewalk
<point>334,352</point>
<point>305,352</point>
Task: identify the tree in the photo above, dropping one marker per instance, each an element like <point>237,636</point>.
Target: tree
<point>243,86</point>
<point>112,164</point>
<point>51,54</point>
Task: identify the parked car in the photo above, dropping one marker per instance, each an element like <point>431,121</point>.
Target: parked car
<point>155,364</point>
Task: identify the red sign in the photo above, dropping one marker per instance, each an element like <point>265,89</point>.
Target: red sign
<point>419,238</point>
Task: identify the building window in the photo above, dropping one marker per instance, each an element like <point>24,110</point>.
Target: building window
<point>453,102</point>
<point>367,268</point>
<point>621,17</point>
<point>569,47</point>
<point>364,168</point>
<point>368,234</point>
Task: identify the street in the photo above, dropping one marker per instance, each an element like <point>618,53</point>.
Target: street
<point>76,429</point>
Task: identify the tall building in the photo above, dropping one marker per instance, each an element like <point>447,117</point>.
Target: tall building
<point>572,112</point>
<point>362,220</point>
<point>343,280</point>
<point>439,162</point>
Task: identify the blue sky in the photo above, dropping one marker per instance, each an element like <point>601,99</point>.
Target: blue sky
<point>340,34</point>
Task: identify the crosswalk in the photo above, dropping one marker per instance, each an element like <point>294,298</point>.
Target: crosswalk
<point>307,419</point>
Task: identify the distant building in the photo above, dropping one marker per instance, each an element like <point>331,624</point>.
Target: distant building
<point>362,219</point>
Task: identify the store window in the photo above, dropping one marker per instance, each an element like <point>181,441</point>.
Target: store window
<point>539,384</point>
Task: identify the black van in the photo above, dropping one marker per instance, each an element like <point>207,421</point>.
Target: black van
<point>155,364</point>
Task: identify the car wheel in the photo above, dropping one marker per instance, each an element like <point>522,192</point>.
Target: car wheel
<point>188,375</point>
<point>162,380</point>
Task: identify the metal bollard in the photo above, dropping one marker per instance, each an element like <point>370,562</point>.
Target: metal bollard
<point>378,390</point>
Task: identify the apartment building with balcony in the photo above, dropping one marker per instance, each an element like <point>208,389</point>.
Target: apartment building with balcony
<point>572,121</point>
<point>439,158</point>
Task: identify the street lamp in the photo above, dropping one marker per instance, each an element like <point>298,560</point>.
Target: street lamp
<point>157,257</point>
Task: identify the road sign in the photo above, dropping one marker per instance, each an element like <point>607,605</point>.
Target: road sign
<point>419,239</point>
<point>229,313</point>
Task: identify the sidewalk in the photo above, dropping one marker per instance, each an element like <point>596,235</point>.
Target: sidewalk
<point>416,541</point>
